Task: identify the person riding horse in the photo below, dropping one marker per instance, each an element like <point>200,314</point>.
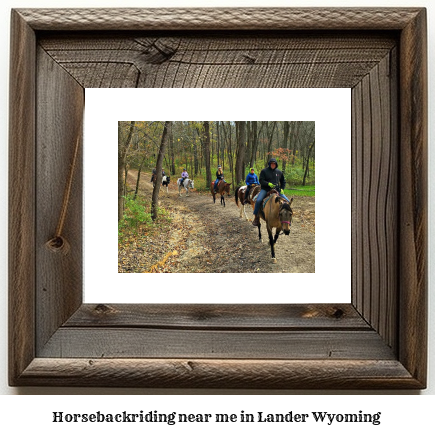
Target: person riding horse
<point>184,175</point>
<point>153,174</point>
<point>270,178</point>
<point>250,181</point>
<point>219,177</point>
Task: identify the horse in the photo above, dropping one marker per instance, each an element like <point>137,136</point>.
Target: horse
<point>223,187</point>
<point>187,183</point>
<point>277,213</point>
<point>240,196</point>
<point>165,182</point>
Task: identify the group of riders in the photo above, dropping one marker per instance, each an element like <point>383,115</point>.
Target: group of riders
<point>270,178</point>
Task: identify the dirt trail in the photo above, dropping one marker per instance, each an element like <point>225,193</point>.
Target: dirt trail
<point>210,238</point>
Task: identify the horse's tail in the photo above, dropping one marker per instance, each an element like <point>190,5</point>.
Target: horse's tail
<point>237,196</point>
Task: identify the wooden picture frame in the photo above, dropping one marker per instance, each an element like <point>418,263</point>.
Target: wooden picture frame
<point>378,341</point>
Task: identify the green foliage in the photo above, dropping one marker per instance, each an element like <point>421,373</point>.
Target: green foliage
<point>300,190</point>
<point>294,175</point>
<point>201,182</point>
<point>137,221</point>
<point>134,213</point>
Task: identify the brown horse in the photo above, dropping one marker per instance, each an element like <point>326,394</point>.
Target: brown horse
<point>240,196</point>
<point>223,187</point>
<point>277,213</point>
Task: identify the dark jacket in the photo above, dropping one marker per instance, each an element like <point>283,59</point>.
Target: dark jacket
<point>274,176</point>
<point>219,175</point>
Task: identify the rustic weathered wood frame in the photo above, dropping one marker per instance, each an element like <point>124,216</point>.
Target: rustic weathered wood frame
<point>378,341</point>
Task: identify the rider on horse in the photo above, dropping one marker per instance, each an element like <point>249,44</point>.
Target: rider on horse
<point>184,175</point>
<point>251,180</point>
<point>270,178</point>
<point>154,173</point>
<point>219,176</point>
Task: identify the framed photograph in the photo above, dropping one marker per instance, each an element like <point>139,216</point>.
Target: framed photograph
<point>375,341</point>
<point>203,236</point>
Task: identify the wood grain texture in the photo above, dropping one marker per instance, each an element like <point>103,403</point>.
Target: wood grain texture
<point>228,374</point>
<point>220,18</point>
<point>21,197</point>
<point>236,60</point>
<point>60,105</point>
<point>127,342</point>
<point>378,342</point>
<point>413,197</point>
<point>280,317</point>
<point>376,198</point>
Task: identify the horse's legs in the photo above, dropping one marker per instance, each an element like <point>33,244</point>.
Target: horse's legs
<point>275,238</point>
<point>259,232</point>
<point>272,241</point>
<point>244,211</point>
<point>223,200</point>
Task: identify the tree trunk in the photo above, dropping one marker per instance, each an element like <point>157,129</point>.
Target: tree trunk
<point>172,154</point>
<point>122,156</point>
<point>138,177</point>
<point>207,151</point>
<point>195,150</point>
<point>218,145</point>
<point>286,135</point>
<point>126,167</point>
<point>254,144</point>
<point>211,144</point>
<point>269,142</point>
<point>308,163</point>
<point>296,129</point>
<point>248,149</point>
<point>163,144</point>
<point>241,148</point>
<point>227,133</point>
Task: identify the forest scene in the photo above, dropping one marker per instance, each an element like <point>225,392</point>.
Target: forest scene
<point>173,217</point>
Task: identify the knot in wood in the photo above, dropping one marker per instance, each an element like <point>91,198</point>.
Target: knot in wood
<point>58,244</point>
<point>103,309</point>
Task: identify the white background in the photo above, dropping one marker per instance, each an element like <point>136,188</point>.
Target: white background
<point>405,412</point>
<point>329,108</point>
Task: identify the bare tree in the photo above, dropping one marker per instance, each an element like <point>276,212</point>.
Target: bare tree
<point>307,163</point>
<point>123,145</point>
<point>285,144</point>
<point>241,149</point>
<point>254,146</point>
<point>206,152</point>
<point>270,131</point>
<point>159,164</point>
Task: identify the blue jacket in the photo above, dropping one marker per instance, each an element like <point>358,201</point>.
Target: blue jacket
<point>251,179</point>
